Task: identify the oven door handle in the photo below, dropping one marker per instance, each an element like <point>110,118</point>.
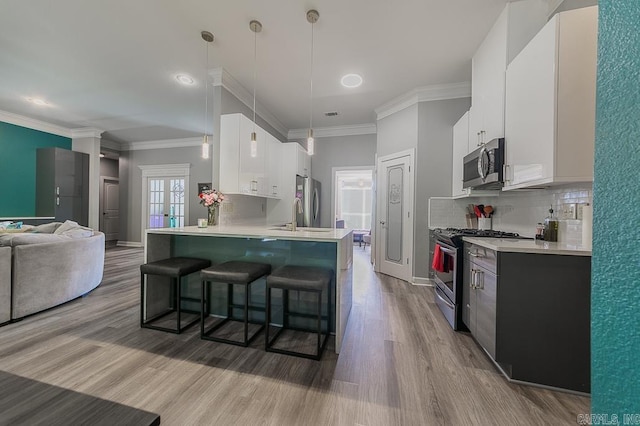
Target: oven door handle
<point>444,300</point>
<point>447,250</point>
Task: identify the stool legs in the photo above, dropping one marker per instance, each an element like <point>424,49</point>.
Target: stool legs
<point>208,334</point>
<point>175,306</point>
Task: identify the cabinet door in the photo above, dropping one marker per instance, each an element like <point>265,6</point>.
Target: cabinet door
<point>485,309</point>
<point>467,302</point>
<point>531,109</point>
<point>274,166</point>
<point>488,88</point>
<point>460,146</point>
<point>304,162</point>
<point>251,169</point>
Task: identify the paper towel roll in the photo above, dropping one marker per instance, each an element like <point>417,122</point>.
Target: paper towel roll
<point>587,225</point>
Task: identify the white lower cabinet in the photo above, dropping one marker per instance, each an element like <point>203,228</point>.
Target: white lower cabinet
<point>550,104</point>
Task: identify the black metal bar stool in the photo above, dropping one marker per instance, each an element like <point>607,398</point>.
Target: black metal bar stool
<point>174,268</point>
<point>304,279</point>
<point>232,273</point>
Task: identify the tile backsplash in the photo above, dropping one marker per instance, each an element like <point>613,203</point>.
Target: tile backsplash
<point>240,209</point>
<point>517,211</point>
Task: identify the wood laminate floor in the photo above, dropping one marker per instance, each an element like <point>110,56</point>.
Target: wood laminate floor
<point>401,364</point>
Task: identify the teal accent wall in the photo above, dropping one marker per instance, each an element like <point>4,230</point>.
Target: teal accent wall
<point>615,309</point>
<point>18,167</point>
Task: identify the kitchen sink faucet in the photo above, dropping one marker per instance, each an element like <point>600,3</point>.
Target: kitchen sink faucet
<point>296,202</point>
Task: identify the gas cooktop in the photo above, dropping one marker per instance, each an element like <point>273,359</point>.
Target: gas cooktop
<point>454,235</point>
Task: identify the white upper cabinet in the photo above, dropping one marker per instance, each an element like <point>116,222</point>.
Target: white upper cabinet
<point>304,162</point>
<point>240,171</point>
<point>274,166</point>
<point>460,143</point>
<point>550,104</point>
<point>515,26</point>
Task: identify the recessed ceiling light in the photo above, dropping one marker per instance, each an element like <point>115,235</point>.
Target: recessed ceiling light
<point>351,81</point>
<point>38,101</point>
<point>185,79</point>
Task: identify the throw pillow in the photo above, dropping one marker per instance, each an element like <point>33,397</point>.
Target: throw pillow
<point>47,228</point>
<point>66,226</point>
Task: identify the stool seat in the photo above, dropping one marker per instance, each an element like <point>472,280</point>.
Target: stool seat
<point>235,272</point>
<point>292,277</point>
<point>174,266</point>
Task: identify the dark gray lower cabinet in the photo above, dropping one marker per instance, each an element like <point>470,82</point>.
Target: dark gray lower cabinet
<point>531,314</point>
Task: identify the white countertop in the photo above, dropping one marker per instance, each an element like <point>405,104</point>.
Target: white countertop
<point>529,246</point>
<point>239,231</point>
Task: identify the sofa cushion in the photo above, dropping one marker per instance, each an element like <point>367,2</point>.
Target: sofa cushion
<point>13,240</point>
<point>47,228</point>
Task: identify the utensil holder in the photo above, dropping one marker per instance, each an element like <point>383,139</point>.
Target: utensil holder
<point>484,223</point>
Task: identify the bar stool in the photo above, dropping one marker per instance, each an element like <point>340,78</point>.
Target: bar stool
<point>232,273</point>
<point>175,268</point>
<point>304,279</point>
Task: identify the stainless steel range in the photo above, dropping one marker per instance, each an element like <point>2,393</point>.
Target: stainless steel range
<point>447,267</point>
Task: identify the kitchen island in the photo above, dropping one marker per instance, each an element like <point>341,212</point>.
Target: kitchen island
<point>325,247</point>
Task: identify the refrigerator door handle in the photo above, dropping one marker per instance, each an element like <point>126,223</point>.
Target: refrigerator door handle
<point>316,204</point>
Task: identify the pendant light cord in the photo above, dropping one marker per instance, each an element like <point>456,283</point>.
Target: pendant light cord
<point>255,66</point>
<point>311,84</point>
<point>206,88</point>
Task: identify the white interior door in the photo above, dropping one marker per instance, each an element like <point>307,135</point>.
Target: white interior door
<point>394,246</point>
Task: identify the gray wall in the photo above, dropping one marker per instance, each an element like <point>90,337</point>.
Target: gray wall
<point>427,127</point>
<point>342,151</point>
<point>131,184</point>
<point>398,132</point>
<point>109,167</point>
<point>433,168</point>
<point>232,105</point>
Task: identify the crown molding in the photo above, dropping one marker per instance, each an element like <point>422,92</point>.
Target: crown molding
<point>112,145</point>
<point>32,123</point>
<point>329,132</point>
<point>221,77</point>
<point>160,144</point>
<point>86,132</point>
<point>436,92</point>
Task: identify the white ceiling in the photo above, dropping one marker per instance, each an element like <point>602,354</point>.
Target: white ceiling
<point>111,64</point>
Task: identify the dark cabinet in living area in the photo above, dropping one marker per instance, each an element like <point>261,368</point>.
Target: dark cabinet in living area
<point>62,185</point>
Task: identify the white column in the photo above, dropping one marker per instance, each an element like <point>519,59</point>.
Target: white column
<point>88,141</point>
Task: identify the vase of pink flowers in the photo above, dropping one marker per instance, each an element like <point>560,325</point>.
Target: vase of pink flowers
<point>211,199</point>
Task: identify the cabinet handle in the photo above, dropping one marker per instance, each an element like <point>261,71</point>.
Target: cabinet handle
<point>479,280</point>
<point>473,279</point>
<point>474,254</point>
<point>254,185</point>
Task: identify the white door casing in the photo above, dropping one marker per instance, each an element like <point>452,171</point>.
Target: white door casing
<point>394,241</point>
<point>162,171</point>
<point>110,208</point>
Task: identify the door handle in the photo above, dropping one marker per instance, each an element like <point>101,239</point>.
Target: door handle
<point>383,223</point>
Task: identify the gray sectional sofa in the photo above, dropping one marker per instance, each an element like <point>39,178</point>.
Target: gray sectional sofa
<point>42,270</point>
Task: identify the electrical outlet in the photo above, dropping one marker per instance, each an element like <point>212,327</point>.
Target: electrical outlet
<point>567,211</point>
<point>227,207</point>
<point>579,210</point>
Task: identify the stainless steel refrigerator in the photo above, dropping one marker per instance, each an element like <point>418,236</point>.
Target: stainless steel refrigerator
<point>308,190</point>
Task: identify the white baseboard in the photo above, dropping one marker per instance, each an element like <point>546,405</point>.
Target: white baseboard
<point>428,282</point>
<point>129,244</point>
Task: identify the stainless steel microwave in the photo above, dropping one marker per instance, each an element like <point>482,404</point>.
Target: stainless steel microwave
<point>483,168</point>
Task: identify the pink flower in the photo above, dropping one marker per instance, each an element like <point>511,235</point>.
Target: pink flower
<point>211,198</point>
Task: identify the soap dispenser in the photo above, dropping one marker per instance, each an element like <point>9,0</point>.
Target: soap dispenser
<point>551,227</point>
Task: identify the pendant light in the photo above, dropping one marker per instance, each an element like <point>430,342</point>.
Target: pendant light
<point>256,27</point>
<point>312,17</point>
<point>208,38</point>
